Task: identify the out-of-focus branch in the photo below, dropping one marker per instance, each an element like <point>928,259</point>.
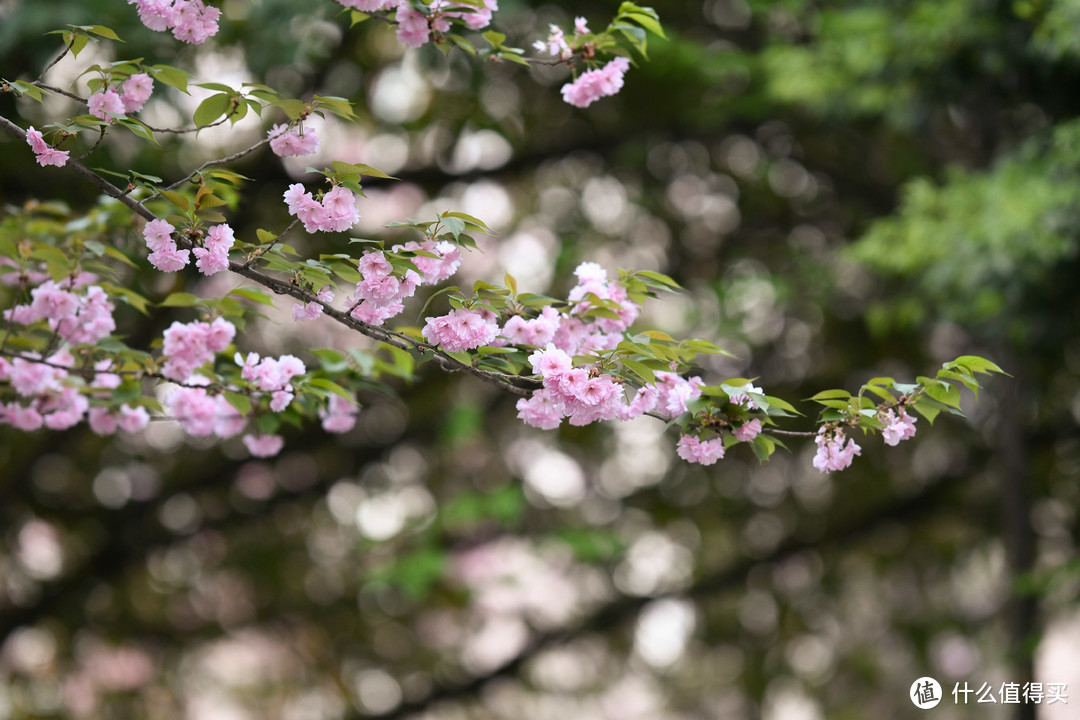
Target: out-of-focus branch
<point>844,531</point>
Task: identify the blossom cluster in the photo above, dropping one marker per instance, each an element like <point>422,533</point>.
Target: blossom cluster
<point>213,256</point>
<point>336,212</point>
<point>898,426</point>
<point>189,346</point>
<point>338,416</point>
<point>166,256</point>
<point>595,84</point>
<point>380,295</point>
<point>75,311</point>
<point>191,21</point>
<point>51,396</point>
<point>314,309</point>
<point>44,153</point>
<point>292,142</point>
<point>462,329</point>
<point>704,452</point>
<point>203,411</point>
<point>583,394</point>
<point>414,28</point>
<point>110,103</point>
<point>272,375</point>
<point>832,452</point>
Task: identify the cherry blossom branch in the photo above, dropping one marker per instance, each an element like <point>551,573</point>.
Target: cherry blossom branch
<point>790,433</point>
<point>63,53</point>
<point>96,145</point>
<point>220,161</point>
<point>281,287</point>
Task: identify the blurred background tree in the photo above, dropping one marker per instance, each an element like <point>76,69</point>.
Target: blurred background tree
<point>860,189</point>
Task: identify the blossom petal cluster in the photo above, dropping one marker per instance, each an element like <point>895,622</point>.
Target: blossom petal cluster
<point>704,452</point>
<point>832,452</point>
<point>164,253</point>
<point>595,84</point>
<point>201,413</point>
<point>272,375</point>
<point>414,27</point>
<point>898,426</point>
<point>191,21</point>
<point>213,256</point>
<point>380,295</point>
<point>462,329</point>
<point>583,394</point>
<point>44,153</point>
<point>77,314</point>
<point>314,309</point>
<point>336,212</point>
<point>339,415</point>
<point>135,91</point>
<point>49,395</point>
<point>109,103</point>
<point>188,347</point>
<point>293,142</point>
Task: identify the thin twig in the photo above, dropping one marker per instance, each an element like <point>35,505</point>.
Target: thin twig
<point>97,143</point>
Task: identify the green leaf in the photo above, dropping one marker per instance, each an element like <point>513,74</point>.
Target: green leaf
<point>495,38</point>
<point>462,357</point>
<point>179,299</point>
<point>776,403</point>
<point>254,295</point>
<point>211,109</point>
<point>117,255</point>
<point>927,410</point>
<point>217,86</point>
<point>467,218</point>
<point>944,393</point>
<point>658,277</point>
<point>975,364</point>
<point>128,295</point>
<point>333,387</point>
<point>640,370</point>
<point>171,76</point>
<point>177,199</point>
<point>831,395</point>
<point>29,90</point>
<point>102,31</point>
<point>242,403</point>
<point>138,128</point>
<point>647,22</point>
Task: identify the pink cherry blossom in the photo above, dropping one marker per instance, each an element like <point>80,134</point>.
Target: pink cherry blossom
<point>158,235</point>
<point>832,454</point>
<point>372,314</point>
<point>339,415</point>
<point>748,430</point>
<point>293,142</point>
<point>461,329</point>
<point>538,331</point>
<point>132,419</point>
<point>170,259</point>
<point>413,29</point>
<point>106,104</point>
<point>264,445</point>
<point>540,410</point>
<point>368,5</point>
<point>135,91</point>
<point>555,44</point>
<point>704,452</point>
<point>898,426</point>
<point>595,84</point>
